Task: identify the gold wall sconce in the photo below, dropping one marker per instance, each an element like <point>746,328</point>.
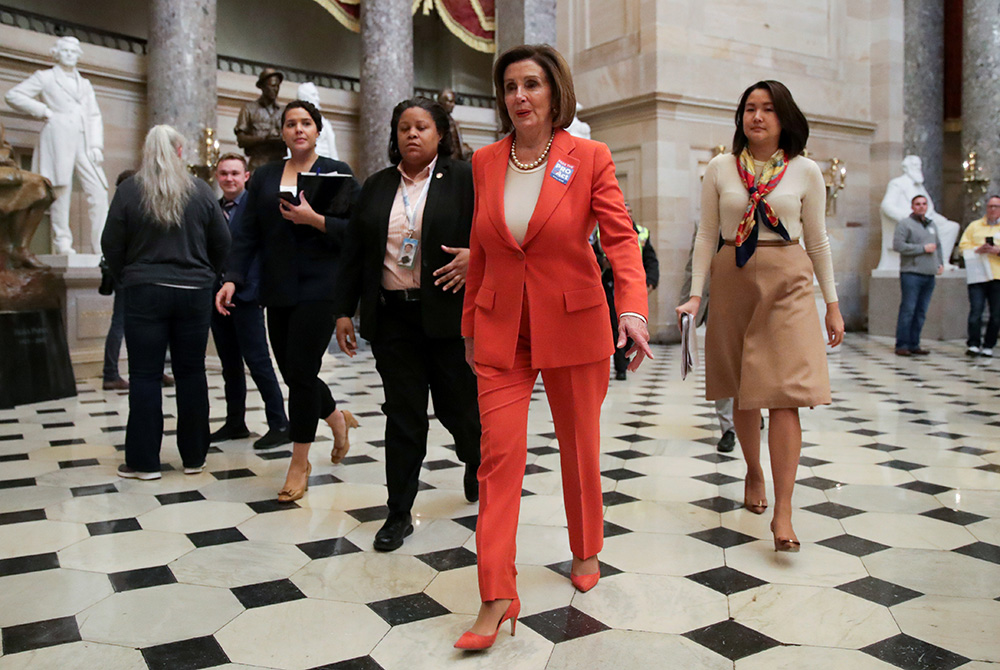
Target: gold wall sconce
<point>975,180</point>
<point>208,156</point>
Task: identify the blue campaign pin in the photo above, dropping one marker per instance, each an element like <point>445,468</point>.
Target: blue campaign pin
<point>561,172</point>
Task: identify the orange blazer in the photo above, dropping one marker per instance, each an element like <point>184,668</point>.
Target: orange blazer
<point>555,265</point>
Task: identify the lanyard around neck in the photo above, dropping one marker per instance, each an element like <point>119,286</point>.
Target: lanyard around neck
<point>411,212</point>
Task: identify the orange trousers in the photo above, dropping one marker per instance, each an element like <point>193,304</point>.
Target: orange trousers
<point>575,395</point>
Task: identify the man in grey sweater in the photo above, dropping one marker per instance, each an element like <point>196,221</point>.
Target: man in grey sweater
<point>919,247</point>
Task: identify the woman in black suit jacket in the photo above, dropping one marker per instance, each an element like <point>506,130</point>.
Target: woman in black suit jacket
<point>299,251</point>
<point>405,259</point>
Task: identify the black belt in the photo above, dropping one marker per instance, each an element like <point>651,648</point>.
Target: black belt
<point>405,295</point>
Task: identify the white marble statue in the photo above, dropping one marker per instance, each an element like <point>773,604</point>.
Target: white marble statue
<point>579,128</point>
<point>896,205</point>
<point>71,141</point>
<point>325,144</point>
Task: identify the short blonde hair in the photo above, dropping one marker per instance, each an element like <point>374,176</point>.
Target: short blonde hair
<point>556,70</point>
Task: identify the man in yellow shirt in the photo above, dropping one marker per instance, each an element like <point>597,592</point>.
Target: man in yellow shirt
<point>983,237</point>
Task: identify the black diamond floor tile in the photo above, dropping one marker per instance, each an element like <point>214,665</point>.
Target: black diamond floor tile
<point>237,473</point>
<point>359,663</point>
<point>726,580</point>
<point>39,634</point>
<point>17,483</point>
<point>820,483</point>
<point>718,504</point>
<point>407,609</point>
<point>95,490</point>
<point>468,521</point>
<point>856,546</point>
<point>634,438</point>
<point>879,591</point>
<point>833,510</point>
<point>981,550</point>
<point>78,463</point>
<point>22,564</point>
<point>274,455</point>
<point>10,458</point>
<point>611,530</point>
<point>22,517</point>
<point>267,593</point>
<point>722,537</point>
<point>210,538</point>
<point>449,559</point>
<point>142,578</point>
<point>717,478</point>
<point>621,474</point>
<point>902,465</point>
<point>182,497</point>
<point>325,548</point>
<point>953,516</point>
<point>810,462</point>
<point>563,624</point>
<point>715,457</point>
<point>365,514</point>
<point>628,454</point>
<point>565,567</point>
<point>909,653</point>
<point>442,464</point>
<point>924,487</point>
<point>271,505</point>
<point>115,526</point>
<point>616,498</point>
<point>731,639</point>
<point>193,654</point>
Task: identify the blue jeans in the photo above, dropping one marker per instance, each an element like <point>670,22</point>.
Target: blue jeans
<point>113,342</point>
<point>241,337</point>
<point>158,317</point>
<point>980,295</point>
<point>915,290</point>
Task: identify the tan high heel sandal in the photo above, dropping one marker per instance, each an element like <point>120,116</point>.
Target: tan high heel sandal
<point>287,495</point>
<point>337,455</point>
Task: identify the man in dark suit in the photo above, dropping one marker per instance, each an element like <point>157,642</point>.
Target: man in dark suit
<point>240,337</point>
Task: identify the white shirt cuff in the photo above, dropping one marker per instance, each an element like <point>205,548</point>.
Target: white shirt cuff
<point>640,316</point>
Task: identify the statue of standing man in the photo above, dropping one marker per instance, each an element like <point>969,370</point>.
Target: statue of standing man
<point>258,127</point>
<point>446,98</point>
<point>71,141</point>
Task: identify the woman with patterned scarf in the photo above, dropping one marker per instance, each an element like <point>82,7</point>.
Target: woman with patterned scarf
<point>762,346</point>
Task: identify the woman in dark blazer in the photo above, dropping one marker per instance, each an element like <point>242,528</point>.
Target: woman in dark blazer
<point>405,259</point>
<point>299,253</point>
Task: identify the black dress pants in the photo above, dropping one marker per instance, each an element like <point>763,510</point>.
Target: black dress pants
<point>410,364</point>
<point>300,335</point>
<point>158,317</point>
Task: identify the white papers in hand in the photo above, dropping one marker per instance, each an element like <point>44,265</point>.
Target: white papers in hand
<point>977,267</point>
<point>689,345</point>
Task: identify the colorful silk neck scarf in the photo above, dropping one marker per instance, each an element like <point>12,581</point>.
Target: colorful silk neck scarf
<point>758,211</point>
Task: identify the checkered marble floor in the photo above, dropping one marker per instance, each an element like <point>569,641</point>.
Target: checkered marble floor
<point>898,511</point>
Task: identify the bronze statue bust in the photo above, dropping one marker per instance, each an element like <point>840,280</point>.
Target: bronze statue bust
<point>258,127</point>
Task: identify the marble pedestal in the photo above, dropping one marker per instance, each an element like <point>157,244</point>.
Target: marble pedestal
<point>86,313</point>
<point>946,316</point>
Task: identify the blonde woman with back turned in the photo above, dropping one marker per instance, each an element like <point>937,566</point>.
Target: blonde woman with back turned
<point>165,241</point>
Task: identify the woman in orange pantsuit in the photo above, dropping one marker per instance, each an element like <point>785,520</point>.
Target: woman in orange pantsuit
<point>534,303</point>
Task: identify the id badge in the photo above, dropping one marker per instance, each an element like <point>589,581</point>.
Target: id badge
<point>408,255</point>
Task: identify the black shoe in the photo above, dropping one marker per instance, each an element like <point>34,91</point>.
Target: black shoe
<point>620,375</point>
<point>471,482</point>
<point>228,432</point>
<point>390,536</point>
<point>273,438</point>
<point>727,443</point>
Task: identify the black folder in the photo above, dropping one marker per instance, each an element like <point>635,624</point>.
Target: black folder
<point>328,194</point>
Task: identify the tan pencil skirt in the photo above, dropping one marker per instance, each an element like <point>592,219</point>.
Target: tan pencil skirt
<point>764,346</point>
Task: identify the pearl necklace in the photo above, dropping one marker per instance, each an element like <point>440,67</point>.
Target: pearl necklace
<point>529,166</point>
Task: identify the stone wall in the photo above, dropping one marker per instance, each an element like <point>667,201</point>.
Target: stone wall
<point>660,80</point>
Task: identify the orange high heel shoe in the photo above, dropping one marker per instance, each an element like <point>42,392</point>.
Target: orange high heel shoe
<point>287,495</point>
<point>785,543</point>
<point>337,455</point>
<point>584,583</point>
<point>474,642</point>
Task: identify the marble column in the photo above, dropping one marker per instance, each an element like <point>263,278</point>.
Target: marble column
<point>923,88</point>
<point>981,87</point>
<point>181,68</point>
<point>525,22</point>
<point>386,75</point>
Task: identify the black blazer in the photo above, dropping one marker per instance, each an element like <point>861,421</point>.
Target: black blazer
<point>298,263</point>
<point>447,220</point>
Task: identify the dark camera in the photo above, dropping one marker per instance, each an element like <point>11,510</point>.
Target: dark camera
<point>107,286</point>
<point>989,240</point>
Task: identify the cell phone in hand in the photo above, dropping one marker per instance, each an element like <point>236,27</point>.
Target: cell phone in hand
<point>989,240</point>
<point>289,196</point>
